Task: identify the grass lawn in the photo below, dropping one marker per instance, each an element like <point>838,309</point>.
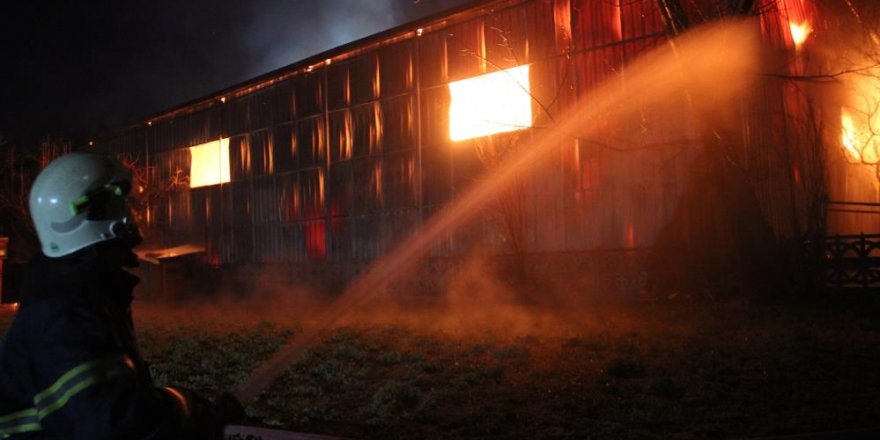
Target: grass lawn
<point>679,370</point>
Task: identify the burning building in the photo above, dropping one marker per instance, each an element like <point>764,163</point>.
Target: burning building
<point>325,165</point>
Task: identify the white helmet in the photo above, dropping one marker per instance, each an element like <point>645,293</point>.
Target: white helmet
<point>79,199</point>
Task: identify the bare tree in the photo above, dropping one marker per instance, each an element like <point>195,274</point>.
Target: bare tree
<point>511,203</point>
<point>19,167</point>
<point>148,188</point>
<point>511,206</point>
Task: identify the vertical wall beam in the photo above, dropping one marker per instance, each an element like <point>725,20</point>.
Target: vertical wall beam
<point>417,85</point>
<point>328,189</point>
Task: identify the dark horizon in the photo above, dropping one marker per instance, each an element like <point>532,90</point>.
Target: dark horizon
<point>76,70</point>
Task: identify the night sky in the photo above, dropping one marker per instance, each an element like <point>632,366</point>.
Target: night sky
<point>75,68</point>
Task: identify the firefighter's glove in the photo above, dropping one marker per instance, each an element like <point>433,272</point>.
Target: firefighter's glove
<point>199,418</point>
<point>229,409</point>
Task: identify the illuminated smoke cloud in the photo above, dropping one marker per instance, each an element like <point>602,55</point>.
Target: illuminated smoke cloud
<point>282,32</point>
<point>291,31</point>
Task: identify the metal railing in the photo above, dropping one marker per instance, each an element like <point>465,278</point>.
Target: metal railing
<point>852,261</point>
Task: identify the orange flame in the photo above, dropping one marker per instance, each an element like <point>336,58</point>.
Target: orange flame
<point>858,138</point>
<point>848,136</point>
<point>800,32</point>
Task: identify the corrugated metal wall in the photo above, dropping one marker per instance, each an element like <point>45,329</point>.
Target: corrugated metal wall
<point>340,162</point>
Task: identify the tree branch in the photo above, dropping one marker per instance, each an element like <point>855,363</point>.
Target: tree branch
<point>827,77</point>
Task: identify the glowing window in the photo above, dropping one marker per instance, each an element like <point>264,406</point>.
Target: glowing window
<point>210,163</point>
<point>492,103</point>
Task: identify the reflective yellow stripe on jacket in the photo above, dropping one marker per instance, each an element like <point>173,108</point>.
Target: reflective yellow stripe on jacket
<point>55,396</point>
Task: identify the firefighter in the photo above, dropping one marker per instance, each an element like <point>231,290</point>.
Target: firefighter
<point>69,365</point>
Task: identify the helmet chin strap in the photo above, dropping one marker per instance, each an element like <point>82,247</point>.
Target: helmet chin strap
<point>126,232</point>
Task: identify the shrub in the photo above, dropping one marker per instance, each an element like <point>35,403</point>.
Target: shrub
<point>390,358</point>
<point>393,401</point>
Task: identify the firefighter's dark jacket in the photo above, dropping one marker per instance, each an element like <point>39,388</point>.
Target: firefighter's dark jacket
<point>70,366</point>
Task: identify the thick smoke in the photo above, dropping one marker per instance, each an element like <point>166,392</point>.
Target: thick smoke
<point>281,32</point>
<point>476,299</point>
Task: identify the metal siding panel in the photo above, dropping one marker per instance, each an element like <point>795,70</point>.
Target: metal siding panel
<point>261,153</point>
<point>199,210</point>
<point>282,102</point>
<point>507,38</point>
<point>367,185</point>
<point>214,224</point>
<point>364,78</point>
<point>309,94</point>
<point>163,133</point>
<point>367,129</point>
<point>267,220</point>
<point>267,244</point>
<point>641,18</point>
<point>341,136</point>
<point>293,239</point>
<point>239,158</point>
<point>267,209</point>
<point>541,30</point>
<point>242,203</point>
<point>342,182</point>
<point>595,23</point>
<point>443,245</point>
<point>261,112</point>
<point>341,231</point>
<point>398,185</point>
<point>242,251</point>
<point>466,165</point>
<point>465,50</point>
<point>634,49</point>
<point>398,121</point>
<point>366,237</point>
<point>238,115</point>
<point>242,214</point>
<point>396,68</point>
<point>182,131</point>
<point>437,175</point>
<point>310,142</point>
<point>594,67</point>
<point>181,220</point>
<point>432,67</point>
<point>395,226</point>
<point>435,116</point>
<point>283,145</point>
<point>290,197</point>
<point>198,129</point>
<point>338,86</point>
<point>312,196</point>
<point>544,222</point>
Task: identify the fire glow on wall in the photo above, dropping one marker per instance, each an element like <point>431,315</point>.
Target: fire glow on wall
<point>496,102</point>
<point>210,163</point>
